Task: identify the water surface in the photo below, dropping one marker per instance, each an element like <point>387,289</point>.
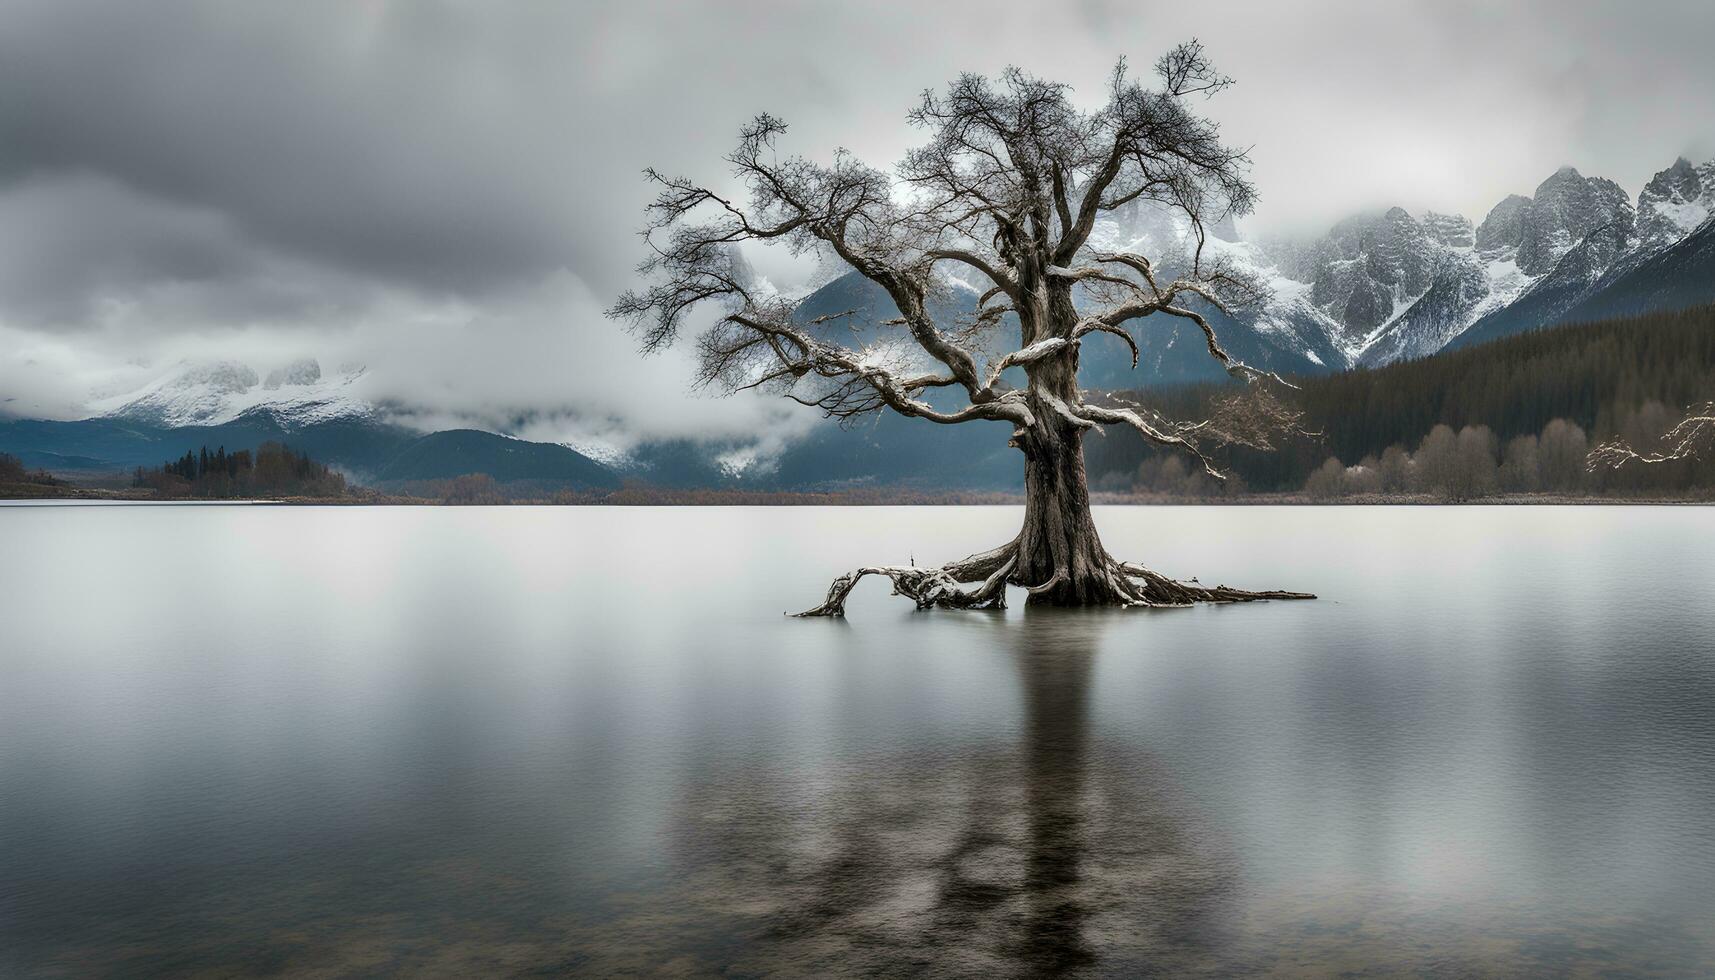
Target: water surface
<point>439,741</point>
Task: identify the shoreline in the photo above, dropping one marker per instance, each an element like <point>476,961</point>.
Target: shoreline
<point>70,495</point>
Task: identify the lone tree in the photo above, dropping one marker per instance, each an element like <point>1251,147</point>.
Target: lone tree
<point>1005,193</point>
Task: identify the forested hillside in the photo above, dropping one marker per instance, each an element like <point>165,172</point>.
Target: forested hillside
<point>273,470</point>
<point>1631,377</point>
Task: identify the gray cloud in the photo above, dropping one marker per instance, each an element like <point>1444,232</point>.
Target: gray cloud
<point>450,190</point>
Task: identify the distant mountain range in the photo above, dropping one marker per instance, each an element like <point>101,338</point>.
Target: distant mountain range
<point>373,452</point>
<point>1389,285</point>
<point>1376,288</point>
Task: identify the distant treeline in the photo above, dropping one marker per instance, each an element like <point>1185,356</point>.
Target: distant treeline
<point>1473,463</point>
<point>1630,378</point>
<point>480,488</point>
<point>12,470</point>
<point>273,470</point>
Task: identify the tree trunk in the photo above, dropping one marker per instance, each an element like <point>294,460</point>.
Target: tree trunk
<point>1060,555</point>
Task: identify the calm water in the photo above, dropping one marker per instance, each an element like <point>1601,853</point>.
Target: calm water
<point>329,742</point>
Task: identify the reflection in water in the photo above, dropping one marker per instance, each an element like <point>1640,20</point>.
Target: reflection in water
<point>1056,682</point>
<point>473,742</point>
<point>1040,853</point>
<point>1056,851</point>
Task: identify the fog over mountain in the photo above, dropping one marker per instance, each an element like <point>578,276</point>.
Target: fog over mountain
<point>435,200</point>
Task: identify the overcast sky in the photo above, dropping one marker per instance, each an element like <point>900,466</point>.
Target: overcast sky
<point>449,192</point>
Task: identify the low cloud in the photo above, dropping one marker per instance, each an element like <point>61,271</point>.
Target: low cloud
<point>538,363</point>
<point>584,381</point>
<point>449,192</point>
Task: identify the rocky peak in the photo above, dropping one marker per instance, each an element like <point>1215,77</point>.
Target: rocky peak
<point>1500,230</point>
<point>1369,265</point>
<point>1682,174</point>
<point>1566,207</point>
<point>1397,250</point>
<point>1452,230</point>
<point>1675,202</point>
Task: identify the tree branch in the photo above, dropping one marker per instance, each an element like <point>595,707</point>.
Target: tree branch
<point>1686,440</point>
<point>1129,417</point>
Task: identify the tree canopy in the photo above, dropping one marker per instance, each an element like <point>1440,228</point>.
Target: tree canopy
<point>1001,199</point>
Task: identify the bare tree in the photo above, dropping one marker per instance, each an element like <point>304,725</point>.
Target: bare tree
<point>1435,465</point>
<point>1521,472</point>
<point>1396,469</point>
<point>1474,463</point>
<point>1366,477</point>
<point>1005,194</point>
<point>1689,439</point>
<point>1328,481</point>
<point>1563,453</point>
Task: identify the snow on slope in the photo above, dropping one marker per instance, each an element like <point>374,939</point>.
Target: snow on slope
<point>1285,316</point>
<point>1376,288</point>
<point>1675,203</point>
<point>217,392</point>
<point>1398,286</point>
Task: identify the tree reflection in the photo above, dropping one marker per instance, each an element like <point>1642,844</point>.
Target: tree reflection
<point>1055,682</point>
<point>1050,852</point>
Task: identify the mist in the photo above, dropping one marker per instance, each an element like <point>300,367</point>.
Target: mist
<point>449,193</point>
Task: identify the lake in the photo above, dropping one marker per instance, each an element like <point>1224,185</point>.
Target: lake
<point>305,741</point>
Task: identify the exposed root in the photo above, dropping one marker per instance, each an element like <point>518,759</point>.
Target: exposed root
<point>1054,580</point>
<point>1127,584</point>
<point>1154,589</point>
<point>931,587</point>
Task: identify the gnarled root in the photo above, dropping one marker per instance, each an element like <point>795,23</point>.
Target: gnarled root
<point>1153,589</point>
<point>931,587</point>
<point>1126,584</point>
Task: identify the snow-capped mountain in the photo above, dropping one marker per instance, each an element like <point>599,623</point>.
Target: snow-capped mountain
<point>1670,278</point>
<point>1401,287</point>
<point>1580,237</point>
<point>1674,203</point>
<point>1522,243</point>
<point>1285,331</point>
<point>1390,285</point>
<point>1566,208</point>
<point>217,392</point>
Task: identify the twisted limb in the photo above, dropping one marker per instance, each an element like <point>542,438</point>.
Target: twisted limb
<point>934,587</point>
<point>1155,589</point>
<point>1119,583</point>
